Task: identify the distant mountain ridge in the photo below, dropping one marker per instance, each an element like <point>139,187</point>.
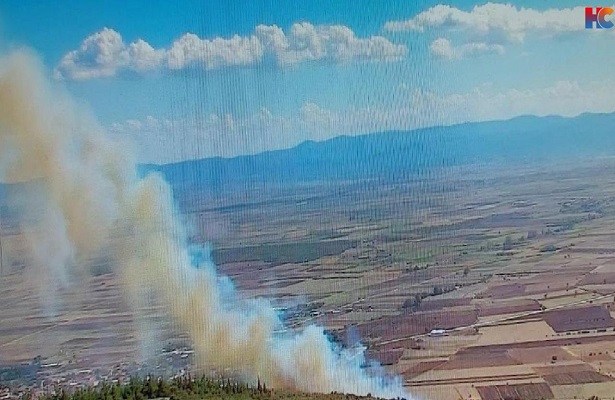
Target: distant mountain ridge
<point>398,154</point>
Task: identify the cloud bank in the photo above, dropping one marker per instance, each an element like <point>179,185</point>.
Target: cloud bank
<point>162,140</point>
<point>105,53</point>
<point>443,48</point>
<point>488,28</point>
<point>512,22</point>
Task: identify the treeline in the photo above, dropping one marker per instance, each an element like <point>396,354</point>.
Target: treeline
<point>180,388</point>
<point>187,388</point>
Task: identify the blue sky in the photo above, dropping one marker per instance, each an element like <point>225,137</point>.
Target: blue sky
<point>207,78</point>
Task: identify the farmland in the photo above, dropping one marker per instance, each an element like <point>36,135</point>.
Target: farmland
<point>515,265</point>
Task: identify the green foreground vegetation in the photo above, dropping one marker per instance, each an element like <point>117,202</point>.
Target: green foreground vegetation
<point>187,388</point>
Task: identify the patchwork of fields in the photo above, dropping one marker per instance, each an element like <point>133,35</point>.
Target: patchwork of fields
<point>476,284</point>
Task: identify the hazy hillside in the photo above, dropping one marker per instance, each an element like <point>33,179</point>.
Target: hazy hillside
<point>392,155</point>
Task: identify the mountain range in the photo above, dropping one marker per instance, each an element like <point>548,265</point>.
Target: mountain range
<point>399,154</point>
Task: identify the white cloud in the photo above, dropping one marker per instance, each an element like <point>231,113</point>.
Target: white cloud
<point>512,22</point>
<point>567,98</point>
<point>143,57</point>
<point>336,43</point>
<point>443,48</point>
<point>98,56</point>
<point>160,140</point>
<point>483,103</point>
<point>105,53</point>
<point>165,140</point>
<point>217,53</point>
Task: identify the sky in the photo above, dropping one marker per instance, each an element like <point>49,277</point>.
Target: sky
<point>194,79</point>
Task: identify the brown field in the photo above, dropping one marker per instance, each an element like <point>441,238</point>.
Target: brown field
<point>421,368</point>
<point>576,378</point>
<point>541,355</point>
<point>579,319</point>
<point>432,304</point>
<point>598,278</point>
<point>400,344</point>
<point>509,334</point>
<point>418,323</point>
<point>563,369</point>
<point>385,357</point>
<point>507,307</point>
<point>526,391</point>
<point>506,291</point>
<point>596,340</point>
<point>471,358</point>
<point>602,390</point>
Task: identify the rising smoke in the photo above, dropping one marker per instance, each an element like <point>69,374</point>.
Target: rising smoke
<point>89,195</point>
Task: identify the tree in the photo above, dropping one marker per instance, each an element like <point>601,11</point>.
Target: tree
<point>117,392</point>
<point>149,390</point>
<point>163,388</point>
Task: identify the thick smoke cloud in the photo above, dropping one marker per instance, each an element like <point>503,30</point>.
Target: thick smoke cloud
<point>90,201</point>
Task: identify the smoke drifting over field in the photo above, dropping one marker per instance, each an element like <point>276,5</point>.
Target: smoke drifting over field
<point>90,194</point>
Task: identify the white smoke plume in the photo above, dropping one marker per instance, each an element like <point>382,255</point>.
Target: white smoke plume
<point>91,200</point>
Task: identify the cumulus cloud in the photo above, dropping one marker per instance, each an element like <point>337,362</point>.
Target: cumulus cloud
<point>105,53</point>
<point>418,108</point>
<point>337,43</point>
<point>488,28</point>
<point>162,140</point>
<point>443,48</point>
<point>566,98</point>
<point>512,22</point>
<point>213,54</point>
